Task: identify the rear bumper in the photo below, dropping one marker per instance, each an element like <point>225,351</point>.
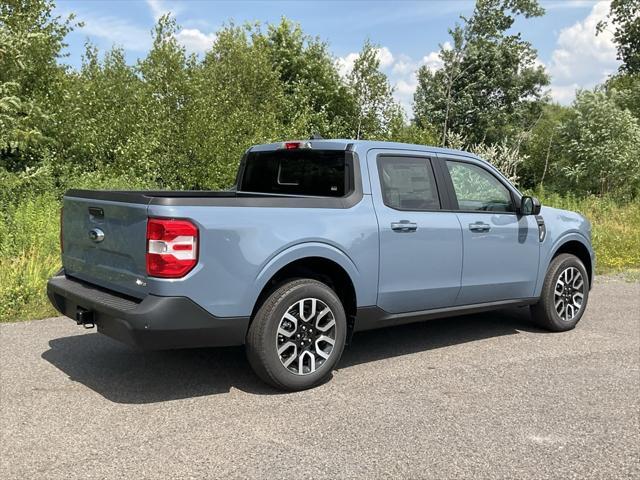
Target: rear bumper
<point>153,323</point>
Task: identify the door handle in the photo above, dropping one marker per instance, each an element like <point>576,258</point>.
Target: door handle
<point>404,226</point>
<point>479,227</point>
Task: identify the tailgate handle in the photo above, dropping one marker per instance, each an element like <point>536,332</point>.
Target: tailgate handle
<point>96,213</point>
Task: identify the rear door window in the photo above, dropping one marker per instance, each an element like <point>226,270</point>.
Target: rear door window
<point>323,173</point>
<point>408,183</point>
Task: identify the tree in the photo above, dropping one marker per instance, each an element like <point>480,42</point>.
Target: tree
<point>102,112</point>
<point>376,110</point>
<point>544,147</point>
<point>166,96</point>
<point>625,17</point>
<point>602,146</point>
<point>625,90</point>
<point>319,99</point>
<point>237,100</point>
<point>489,86</point>
<point>31,41</point>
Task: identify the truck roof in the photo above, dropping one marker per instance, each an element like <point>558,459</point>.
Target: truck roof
<point>360,145</point>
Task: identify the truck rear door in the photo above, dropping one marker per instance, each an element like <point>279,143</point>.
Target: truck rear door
<point>420,243</point>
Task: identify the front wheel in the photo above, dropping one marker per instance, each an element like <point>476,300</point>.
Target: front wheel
<point>564,294</point>
<point>298,335</point>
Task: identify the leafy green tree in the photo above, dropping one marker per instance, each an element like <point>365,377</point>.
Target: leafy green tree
<point>101,113</point>
<point>544,147</point>
<point>602,146</point>
<point>489,86</point>
<point>166,93</point>
<point>625,18</point>
<point>625,89</point>
<point>376,111</point>
<point>310,80</point>
<point>237,101</point>
<point>31,41</point>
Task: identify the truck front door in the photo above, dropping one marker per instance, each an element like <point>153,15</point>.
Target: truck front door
<point>501,247</point>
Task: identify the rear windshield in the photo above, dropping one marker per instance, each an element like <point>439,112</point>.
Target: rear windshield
<point>323,173</point>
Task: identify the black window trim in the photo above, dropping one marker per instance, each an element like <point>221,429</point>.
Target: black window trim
<point>453,198</point>
<point>429,160</point>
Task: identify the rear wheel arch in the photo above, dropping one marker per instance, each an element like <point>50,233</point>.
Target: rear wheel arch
<point>318,268</point>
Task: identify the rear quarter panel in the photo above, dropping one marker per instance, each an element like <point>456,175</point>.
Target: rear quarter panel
<point>242,247</point>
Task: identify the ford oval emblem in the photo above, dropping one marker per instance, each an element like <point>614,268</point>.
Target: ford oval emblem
<point>96,235</point>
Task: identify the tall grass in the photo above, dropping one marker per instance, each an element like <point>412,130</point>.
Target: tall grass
<point>615,228</point>
<point>29,250</point>
<point>29,254</point>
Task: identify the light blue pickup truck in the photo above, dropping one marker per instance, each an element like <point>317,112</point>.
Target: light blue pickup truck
<point>317,240</point>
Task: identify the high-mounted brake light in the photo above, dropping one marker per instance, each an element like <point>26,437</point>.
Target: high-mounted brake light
<point>172,247</point>
<point>295,145</point>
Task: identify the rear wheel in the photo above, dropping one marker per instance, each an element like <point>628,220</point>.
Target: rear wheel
<point>298,335</point>
<point>564,294</point>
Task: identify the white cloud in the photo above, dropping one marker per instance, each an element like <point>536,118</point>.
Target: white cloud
<point>385,57</point>
<point>433,60</point>
<point>404,65</point>
<point>582,58</point>
<point>194,40</point>
<point>567,4</point>
<point>161,7</point>
<point>345,64</point>
<point>564,94</point>
<point>116,30</point>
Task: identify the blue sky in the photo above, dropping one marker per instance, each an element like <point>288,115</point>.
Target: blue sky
<point>408,32</point>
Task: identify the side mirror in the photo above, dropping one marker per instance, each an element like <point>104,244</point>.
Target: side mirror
<point>529,205</point>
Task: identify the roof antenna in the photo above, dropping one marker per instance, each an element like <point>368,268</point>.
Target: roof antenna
<point>316,136</point>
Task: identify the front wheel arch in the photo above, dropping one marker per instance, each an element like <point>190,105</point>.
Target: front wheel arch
<point>578,249</point>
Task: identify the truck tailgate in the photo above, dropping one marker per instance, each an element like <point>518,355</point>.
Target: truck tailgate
<point>105,243</point>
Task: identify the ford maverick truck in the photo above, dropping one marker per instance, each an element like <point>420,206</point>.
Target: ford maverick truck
<point>317,240</point>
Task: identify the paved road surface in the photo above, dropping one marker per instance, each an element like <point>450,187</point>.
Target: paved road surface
<point>484,396</point>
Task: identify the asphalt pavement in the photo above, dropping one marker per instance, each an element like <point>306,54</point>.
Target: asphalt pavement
<point>480,396</point>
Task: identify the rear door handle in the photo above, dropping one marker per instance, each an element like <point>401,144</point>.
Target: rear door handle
<point>479,227</point>
<point>404,226</point>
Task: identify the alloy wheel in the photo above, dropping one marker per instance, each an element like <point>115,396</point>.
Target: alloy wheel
<point>569,293</point>
<point>306,336</point>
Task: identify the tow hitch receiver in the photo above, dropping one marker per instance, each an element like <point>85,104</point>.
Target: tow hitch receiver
<point>84,317</point>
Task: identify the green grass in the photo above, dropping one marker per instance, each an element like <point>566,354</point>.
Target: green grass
<point>29,250</point>
<point>29,254</point>
<point>615,229</point>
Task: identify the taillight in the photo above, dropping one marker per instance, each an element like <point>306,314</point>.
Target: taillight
<point>172,247</point>
<point>61,223</point>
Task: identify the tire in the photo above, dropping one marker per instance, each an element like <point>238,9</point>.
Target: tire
<point>288,345</point>
<point>565,293</point>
